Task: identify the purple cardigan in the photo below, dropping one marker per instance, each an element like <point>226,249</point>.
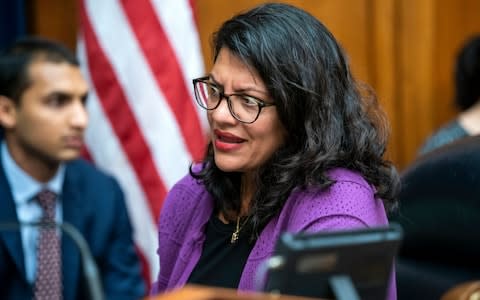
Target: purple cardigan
<point>347,204</point>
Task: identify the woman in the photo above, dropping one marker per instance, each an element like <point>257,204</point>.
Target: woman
<point>294,147</point>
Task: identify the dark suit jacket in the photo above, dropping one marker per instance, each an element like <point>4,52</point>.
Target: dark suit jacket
<point>93,203</point>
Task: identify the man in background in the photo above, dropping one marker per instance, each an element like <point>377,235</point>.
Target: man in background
<point>43,118</point>
<point>467,99</point>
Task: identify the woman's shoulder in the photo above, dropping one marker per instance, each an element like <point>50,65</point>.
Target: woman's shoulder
<point>186,195</point>
<point>188,183</point>
<point>343,175</point>
<point>349,196</point>
<point>185,210</point>
<point>346,184</point>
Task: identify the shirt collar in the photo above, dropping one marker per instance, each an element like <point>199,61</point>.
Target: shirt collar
<point>23,186</point>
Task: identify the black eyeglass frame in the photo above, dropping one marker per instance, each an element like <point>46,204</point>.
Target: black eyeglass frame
<point>261,104</point>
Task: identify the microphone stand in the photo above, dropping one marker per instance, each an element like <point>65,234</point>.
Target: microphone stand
<point>90,269</point>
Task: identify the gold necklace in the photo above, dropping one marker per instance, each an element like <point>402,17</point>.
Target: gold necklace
<point>236,233</point>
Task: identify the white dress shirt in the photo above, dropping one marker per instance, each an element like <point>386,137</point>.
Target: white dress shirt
<point>24,189</point>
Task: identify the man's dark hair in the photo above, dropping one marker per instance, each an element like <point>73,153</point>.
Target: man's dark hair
<point>467,74</point>
<point>16,60</point>
<point>330,123</point>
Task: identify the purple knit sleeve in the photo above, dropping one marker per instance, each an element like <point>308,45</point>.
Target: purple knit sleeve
<point>175,217</point>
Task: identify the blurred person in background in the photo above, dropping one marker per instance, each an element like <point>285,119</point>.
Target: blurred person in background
<point>467,99</point>
<point>42,122</point>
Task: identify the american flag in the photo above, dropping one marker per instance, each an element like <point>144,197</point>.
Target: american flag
<point>139,57</point>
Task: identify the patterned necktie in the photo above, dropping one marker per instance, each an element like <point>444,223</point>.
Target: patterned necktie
<point>48,282</point>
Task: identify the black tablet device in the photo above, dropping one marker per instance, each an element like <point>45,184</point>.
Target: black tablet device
<point>334,265</point>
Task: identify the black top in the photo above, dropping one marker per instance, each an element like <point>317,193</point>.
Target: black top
<point>221,263</point>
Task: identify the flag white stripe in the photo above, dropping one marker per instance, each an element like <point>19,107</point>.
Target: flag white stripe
<point>182,33</point>
<point>147,102</point>
<point>102,142</point>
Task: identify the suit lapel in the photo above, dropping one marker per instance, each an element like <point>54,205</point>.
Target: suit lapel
<point>8,214</point>
<point>73,213</point>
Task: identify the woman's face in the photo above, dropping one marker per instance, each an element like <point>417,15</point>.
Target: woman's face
<point>241,147</point>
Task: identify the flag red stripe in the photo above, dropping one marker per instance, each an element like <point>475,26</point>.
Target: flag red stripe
<point>122,120</point>
<point>161,56</point>
<point>191,3</point>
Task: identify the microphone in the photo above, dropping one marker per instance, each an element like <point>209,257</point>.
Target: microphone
<point>90,270</point>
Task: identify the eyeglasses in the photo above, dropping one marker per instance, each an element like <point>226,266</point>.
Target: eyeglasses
<point>242,107</point>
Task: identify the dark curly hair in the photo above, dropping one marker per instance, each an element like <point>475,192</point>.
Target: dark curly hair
<point>467,74</point>
<point>329,121</point>
<point>16,60</point>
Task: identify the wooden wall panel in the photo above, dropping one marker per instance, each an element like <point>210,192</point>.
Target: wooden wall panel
<point>383,61</point>
<point>414,76</point>
<point>346,19</point>
<point>55,19</point>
